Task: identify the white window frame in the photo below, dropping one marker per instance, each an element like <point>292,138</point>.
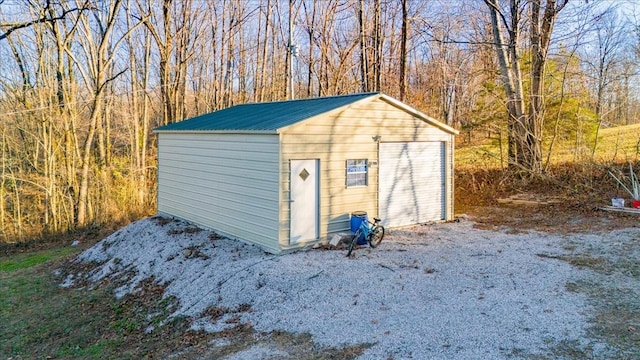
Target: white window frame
<point>356,173</point>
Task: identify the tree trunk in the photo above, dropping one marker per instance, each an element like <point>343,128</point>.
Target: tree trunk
<point>364,73</point>
<point>403,50</point>
<point>98,70</point>
<point>3,158</point>
<point>83,193</point>
<point>525,129</point>
<point>377,50</point>
<point>512,81</point>
<point>540,38</point>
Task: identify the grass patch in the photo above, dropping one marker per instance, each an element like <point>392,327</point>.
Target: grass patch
<point>42,320</point>
<point>570,349</point>
<point>242,338</point>
<point>595,263</point>
<point>615,145</point>
<point>614,295</point>
<point>620,143</point>
<point>27,260</point>
<point>616,320</point>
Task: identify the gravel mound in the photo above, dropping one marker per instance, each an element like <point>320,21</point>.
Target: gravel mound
<point>432,291</point>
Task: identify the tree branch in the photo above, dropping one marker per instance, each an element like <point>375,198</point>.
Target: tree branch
<point>11,27</point>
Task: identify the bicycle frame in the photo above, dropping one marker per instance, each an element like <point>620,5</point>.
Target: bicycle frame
<point>365,228</point>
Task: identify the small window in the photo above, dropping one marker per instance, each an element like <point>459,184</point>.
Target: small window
<point>357,172</point>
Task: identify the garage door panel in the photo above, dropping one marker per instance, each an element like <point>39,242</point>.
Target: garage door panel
<point>411,182</point>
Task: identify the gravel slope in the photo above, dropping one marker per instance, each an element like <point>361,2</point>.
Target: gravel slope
<point>429,292</point>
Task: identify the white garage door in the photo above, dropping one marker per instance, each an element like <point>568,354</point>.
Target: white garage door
<point>412,182</point>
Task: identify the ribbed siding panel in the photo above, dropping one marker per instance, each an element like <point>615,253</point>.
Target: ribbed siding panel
<point>226,182</point>
<point>346,134</point>
<point>412,179</point>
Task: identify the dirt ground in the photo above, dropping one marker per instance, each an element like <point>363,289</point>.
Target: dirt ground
<point>556,218</point>
<point>568,198</point>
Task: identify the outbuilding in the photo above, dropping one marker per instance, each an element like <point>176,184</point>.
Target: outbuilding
<point>287,174</point>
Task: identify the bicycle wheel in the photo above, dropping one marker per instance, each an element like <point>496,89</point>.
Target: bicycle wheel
<point>353,242</point>
<point>376,235</point>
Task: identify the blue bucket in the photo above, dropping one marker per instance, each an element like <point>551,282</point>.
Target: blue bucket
<point>357,217</point>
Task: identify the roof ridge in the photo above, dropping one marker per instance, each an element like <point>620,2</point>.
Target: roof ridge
<point>363,94</point>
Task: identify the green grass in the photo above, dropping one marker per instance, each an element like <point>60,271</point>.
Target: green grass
<point>40,319</point>
<point>27,260</point>
<point>617,144</point>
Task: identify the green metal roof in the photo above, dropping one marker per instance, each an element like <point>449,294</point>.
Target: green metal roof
<point>269,116</point>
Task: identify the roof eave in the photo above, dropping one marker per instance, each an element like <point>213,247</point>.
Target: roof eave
<point>263,132</point>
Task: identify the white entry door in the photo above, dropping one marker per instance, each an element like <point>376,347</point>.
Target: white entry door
<point>304,200</point>
<point>412,182</point>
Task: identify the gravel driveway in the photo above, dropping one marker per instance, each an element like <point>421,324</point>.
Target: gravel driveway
<point>439,291</point>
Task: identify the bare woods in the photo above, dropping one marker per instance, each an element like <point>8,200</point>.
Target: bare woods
<point>83,82</point>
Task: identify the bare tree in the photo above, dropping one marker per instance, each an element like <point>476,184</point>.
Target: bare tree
<point>97,70</point>
<point>140,72</point>
<point>604,61</point>
<point>403,49</point>
<point>377,45</point>
<point>48,14</point>
<point>263,46</point>
<point>364,63</point>
<point>525,128</point>
<point>175,31</point>
<point>310,27</point>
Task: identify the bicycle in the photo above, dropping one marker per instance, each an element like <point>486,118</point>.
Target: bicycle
<point>373,232</point>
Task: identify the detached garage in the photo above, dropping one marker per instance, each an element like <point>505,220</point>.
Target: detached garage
<point>283,175</point>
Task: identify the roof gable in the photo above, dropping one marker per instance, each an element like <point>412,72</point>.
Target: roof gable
<point>271,117</point>
<point>268,117</point>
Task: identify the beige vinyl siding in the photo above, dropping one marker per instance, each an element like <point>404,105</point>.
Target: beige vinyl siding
<point>347,133</point>
<point>449,176</point>
<point>227,182</point>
